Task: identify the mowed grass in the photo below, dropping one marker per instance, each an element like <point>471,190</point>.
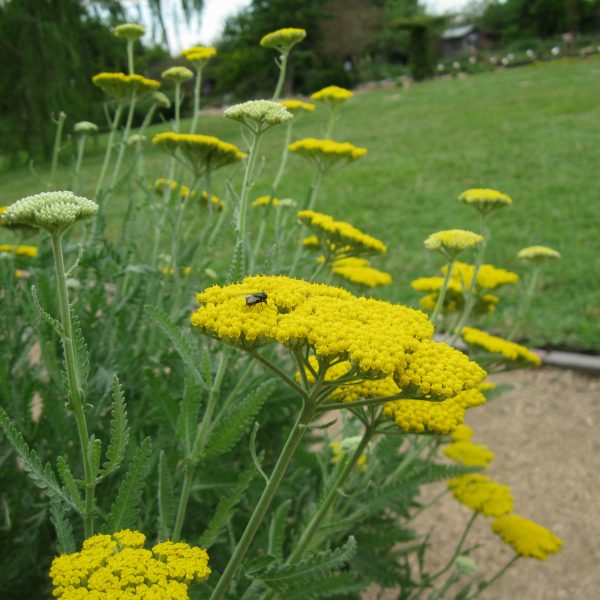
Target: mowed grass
<point>533,133</point>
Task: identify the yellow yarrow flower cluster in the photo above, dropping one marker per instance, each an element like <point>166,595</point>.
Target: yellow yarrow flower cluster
<point>340,239</point>
<point>469,454</point>
<point>283,39</point>
<point>463,433</point>
<point>118,566</point>
<point>526,537</point>
<point>121,86</point>
<point>496,345</point>
<point>327,153</point>
<point>482,494</point>
<point>199,55</point>
<point>21,250</point>
<point>184,192</point>
<point>297,106</point>
<point>201,153</point>
<point>177,74</point>
<point>332,94</point>
<point>451,242</point>
<point>488,277</point>
<point>538,254</point>
<point>360,272</point>
<point>377,338</point>
<point>485,200</point>
<point>265,201</point>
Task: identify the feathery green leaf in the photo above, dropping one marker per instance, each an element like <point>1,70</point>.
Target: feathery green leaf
<point>64,531</point>
<point>119,430</point>
<point>70,484</point>
<point>277,529</point>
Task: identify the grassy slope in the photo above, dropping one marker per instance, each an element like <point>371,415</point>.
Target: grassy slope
<point>533,133</point>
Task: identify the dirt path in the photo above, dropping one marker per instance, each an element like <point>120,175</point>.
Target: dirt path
<point>545,434</point>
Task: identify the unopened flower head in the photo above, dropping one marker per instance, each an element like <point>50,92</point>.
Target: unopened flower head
<point>201,153</point>
<point>85,128</point>
<point>509,351</point>
<point>259,114</point>
<point>177,74</point>
<point>332,94</point>
<point>469,454</point>
<point>481,494</point>
<point>129,31</point>
<point>297,106</point>
<point>526,537</point>
<point>118,566</point>
<point>485,200</point>
<point>451,242</point>
<point>538,254</point>
<point>284,39</point>
<point>340,238</point>
<point>327,153</point>
<point>199,55</point>
<point>161,100</point>
<point>121,86</point>
<point>137,138</point>
<point>52,211</point>
<point>376,338</point>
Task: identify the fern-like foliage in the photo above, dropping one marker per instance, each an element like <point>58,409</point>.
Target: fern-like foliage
<point>226,508</point>
<point>70,483</point>
<point>231,426</point>
<point>237,269</point>
<point>277,530</point>
<point>82,360</point>
<point>42,475</point>
<point>126,507</point>
<point>338,585</point>
<point>184,347</point>
<point>119,430</point>
<point>64,531</point>
<point>187,421</point>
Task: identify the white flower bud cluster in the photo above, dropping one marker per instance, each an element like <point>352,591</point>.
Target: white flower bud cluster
<point>85,127</point>
<point>262,112</point>
<point>53,211</point>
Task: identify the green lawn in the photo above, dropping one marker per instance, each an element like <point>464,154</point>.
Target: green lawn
<point>533,133</point>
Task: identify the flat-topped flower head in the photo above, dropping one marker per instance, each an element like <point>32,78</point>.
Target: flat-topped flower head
<point>167,187</point>
<point>199,55</point>
<point>488,277</point>
<point>469,454</point>
<point>20,250</point>
<point>121,86</point>
<point>177,74</point>
<point>161,100</point>
<point>538,254</point>
<point>482,494</point>
<point>327,153</point>
<point>283,40</point>
<point>85,128</point>
<point>508,351</point>
<point>52,211</point>
<point>360,272</point>
<point>259,115</point>
<point>297,106</point>
<point>463,433</point>
<point>201,153</point>
<point>332,94</point>
<point>340,239</point>
<point>376,338</point>
<point>526,537</point>
<point>485,200</point>
<point>118,566</point>
<point>129,31</point>
<point>266,201</point>
<point>451,242</point>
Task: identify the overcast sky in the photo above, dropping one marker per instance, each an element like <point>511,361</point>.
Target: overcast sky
<point>182,34</point>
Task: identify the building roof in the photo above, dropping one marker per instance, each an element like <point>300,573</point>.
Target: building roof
<point>453,33</point>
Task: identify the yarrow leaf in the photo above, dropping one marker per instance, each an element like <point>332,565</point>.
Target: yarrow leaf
<point>70,484</point>
<point>338,585</point>
<point>225,508</point>
<point>187,421</point>
<point>64,531</point>
<point>184,347</point>
<point>42,475</point>
<point>119,430</point>
<point>126,507</point>
<point>277,529</point>
<point>82,362</point>
<point>231,427</point>
<point>54,323</point>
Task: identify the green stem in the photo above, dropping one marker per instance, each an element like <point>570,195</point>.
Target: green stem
<point>442,293</point>
<point>525,303</point>
<point>177,105</point>
<point>284,157</point>
<point>331,121</point>
<point>57,143</point>
<point>265,361</point>
<point>495,578</point>
<point>197,92</point>
<point>75,393</point>
<point>77,170</point>
<point>124,138</point>
<point>265,500</point>
<point>470,296</point>
<point>109,146</point>
<point>458,549</point>
<point>282,71</point>
<point>130,44</point>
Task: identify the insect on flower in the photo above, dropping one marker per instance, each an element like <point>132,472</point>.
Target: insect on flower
<point>256,298</point>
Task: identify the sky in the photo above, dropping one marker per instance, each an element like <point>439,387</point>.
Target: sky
<point>183,35</point>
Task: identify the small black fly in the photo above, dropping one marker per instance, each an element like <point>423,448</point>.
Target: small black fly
<point>256,298</point>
